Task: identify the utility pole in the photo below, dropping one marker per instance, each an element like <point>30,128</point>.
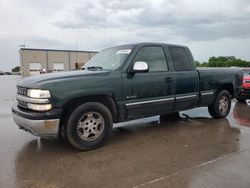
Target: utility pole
<point>76,53</point>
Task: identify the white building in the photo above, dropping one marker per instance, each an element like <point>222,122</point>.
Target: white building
<point>33,61</point>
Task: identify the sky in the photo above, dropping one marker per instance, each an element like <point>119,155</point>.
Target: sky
<point>207,27</point>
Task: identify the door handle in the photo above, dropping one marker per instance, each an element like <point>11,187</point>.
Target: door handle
<point>168,79</point>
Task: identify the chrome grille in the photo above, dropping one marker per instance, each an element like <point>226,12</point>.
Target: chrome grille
<point>247,81</point>
<point>22,91</point>
<point>247,91</point>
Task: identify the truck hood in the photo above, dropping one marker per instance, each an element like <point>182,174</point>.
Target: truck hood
<point>37,81</point>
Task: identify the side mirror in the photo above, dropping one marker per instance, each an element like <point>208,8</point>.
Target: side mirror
<point>140,66</point>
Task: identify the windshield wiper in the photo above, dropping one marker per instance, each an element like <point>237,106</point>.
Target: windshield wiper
<point>94,68</point>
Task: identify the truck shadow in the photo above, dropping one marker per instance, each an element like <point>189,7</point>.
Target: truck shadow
<point>142,128</point>
<point>134,149</point>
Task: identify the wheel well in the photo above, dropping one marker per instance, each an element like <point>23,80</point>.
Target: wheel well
<point>228,87</point>
<point>72,104</point>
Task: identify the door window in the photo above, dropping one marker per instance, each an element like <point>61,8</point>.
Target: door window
<point>154,56</point>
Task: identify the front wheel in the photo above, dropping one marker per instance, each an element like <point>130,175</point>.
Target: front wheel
<point>89,126</point>
<point>221,105</point>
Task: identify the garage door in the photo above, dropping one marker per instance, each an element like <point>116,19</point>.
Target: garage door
<point>58,67</point>
<point>34,68</point>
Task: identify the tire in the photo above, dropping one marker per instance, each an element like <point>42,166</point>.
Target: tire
<point>221,105</point>
<point>169,117</point>
<point>89,126</point>
<point>241,100</point>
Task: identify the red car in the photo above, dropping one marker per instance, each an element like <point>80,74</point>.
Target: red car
<point>245,93</point>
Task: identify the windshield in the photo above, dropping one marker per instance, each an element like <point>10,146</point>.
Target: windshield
<point>246,73</point>
<point>110,58</point>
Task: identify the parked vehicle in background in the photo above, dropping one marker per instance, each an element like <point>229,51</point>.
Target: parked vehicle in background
<point>120,84</point>
<point>245,92</point>
<point>44,71</point>
<point>9,73</point>
<point>16,73</point>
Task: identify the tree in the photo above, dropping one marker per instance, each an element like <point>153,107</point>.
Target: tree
<point>227,61</point>
<point>197,63</point>
<point>223,61</point>
<point>16,69</point>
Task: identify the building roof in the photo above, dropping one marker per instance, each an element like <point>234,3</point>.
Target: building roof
<point>40,49</point>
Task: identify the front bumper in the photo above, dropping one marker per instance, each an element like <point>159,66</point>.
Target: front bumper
<point>245,93</point>
<point>44,124</point>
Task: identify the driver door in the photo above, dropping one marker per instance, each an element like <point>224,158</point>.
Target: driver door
<point>149,93</point>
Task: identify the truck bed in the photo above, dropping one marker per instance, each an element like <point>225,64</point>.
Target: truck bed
<point>211,78</point>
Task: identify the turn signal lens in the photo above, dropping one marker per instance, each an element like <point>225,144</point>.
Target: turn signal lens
<point>39,107</point>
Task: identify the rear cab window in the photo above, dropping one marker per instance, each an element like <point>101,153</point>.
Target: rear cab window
<point>180,59</point>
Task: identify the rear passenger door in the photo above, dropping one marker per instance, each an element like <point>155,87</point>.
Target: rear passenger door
<point>186,78</point>
<point>149,93</point>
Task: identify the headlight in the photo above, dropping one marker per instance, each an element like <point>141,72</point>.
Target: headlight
<point>38,93</point>
<point>39,107</point>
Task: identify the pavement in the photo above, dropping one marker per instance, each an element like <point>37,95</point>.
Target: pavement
<point>191,151</point>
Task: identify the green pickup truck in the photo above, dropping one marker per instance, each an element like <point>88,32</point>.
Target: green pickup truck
<point>119,84</point>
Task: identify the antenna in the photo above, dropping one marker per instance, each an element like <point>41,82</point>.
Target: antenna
<point>76,49</point>
<point>22,45</point>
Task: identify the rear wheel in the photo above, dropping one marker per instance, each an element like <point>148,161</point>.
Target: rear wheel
<point>89,126</point>
<point>221,105</point>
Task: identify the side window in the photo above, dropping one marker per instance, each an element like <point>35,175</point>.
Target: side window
<point>180,59</point>
<point>154,56</point>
